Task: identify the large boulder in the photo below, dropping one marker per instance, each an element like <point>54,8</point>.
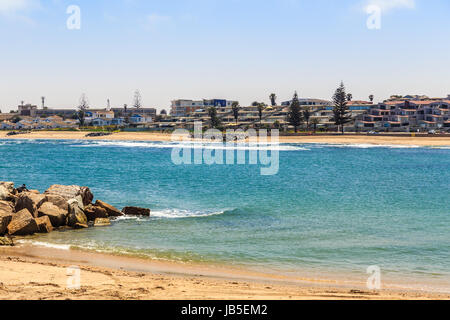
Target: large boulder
<point>71,192</point>
<point>58,201</point>
<point>112,211</point>
<point>7,191</point>
<point>6,241</point>
<point>9,186</point>
<point>87,195</point>
<point>6,213</point>
<point>93,212</point>
<point>44,224</point>
<point>22,224</point>
<point>5,220</point>
<point>6,206</point>
<point>102,222</point>
<point>136,211</point>
<point>78,200</point>
<point>30,201</point>
<point>56,215</point>
<point>76,218</point>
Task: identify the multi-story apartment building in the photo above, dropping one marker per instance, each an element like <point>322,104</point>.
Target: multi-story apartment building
<point>184,107</point>
<point>407,115</point>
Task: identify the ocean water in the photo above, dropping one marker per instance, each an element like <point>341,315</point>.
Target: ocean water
<point>331,210</point>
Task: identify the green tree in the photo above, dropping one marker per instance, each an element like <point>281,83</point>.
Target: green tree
<point>235,107</point>
<point>277,125</point>
<point>261,107</point>
<point>82,107</point>
<point>349,97</point>
<point>273,99</point>
<point>307,116</point>
<point>340,110</point>
<point>315,122</point>
<point>137,102</point>
<point>295,114</point>
<point>16,119</point>
<point>215,121</point>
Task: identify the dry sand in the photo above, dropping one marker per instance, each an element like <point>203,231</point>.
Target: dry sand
<point>34,273</point>
<point>401,139</point>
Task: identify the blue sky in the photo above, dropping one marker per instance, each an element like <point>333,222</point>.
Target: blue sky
<point>236,49</point>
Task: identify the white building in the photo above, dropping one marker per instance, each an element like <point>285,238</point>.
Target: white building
<point>184,107</point>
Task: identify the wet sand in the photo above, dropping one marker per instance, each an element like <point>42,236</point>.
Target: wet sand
<point>35,273</point>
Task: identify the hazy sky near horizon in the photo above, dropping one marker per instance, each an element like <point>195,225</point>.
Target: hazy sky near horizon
<point>235,49</point>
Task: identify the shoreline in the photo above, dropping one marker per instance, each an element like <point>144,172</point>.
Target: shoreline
<point>400,139</point>
<point>43,272</point>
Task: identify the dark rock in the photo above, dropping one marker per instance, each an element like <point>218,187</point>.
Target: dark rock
<point>5,220</point>
<point>30,201</point>
<point>76,218</point>
<point>56,215</point>
<point>135,211</point>
<point>87,195</point>
<point>44,224</point>
<point>6,213</point>
<point>112,212</point>
<point>93,212</point>
<point>102,222</point>
<point>23,224</point>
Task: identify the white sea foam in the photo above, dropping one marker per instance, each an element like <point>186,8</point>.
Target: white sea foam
<point>45,244</point>
<point>179,214</point>
<point>369,146</point>
<point>191,145</point>
<point>172,214</point>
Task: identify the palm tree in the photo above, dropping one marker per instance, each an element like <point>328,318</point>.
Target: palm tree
<point>261,107</point>
<point>306,116</point>
<point>315,122</point>
<point>349,97</point>
<point>273,99</point>
<point>235,107</point>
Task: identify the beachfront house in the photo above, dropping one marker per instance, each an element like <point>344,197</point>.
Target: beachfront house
<point>138,119</point>
<point>101,116</point>
<point>6,125</point>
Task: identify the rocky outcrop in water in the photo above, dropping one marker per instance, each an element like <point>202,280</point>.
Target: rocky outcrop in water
<point>112,212</point>
<point>25,212</point>
<point>136,211</point>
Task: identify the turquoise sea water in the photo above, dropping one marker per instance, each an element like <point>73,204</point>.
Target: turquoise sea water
<point>330,210</point>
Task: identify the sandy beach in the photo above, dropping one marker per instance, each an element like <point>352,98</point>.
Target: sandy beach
<point>36,273</point>
<point>401,139</point>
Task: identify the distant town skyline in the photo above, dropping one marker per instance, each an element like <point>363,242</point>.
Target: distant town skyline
<point>237,50</point>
